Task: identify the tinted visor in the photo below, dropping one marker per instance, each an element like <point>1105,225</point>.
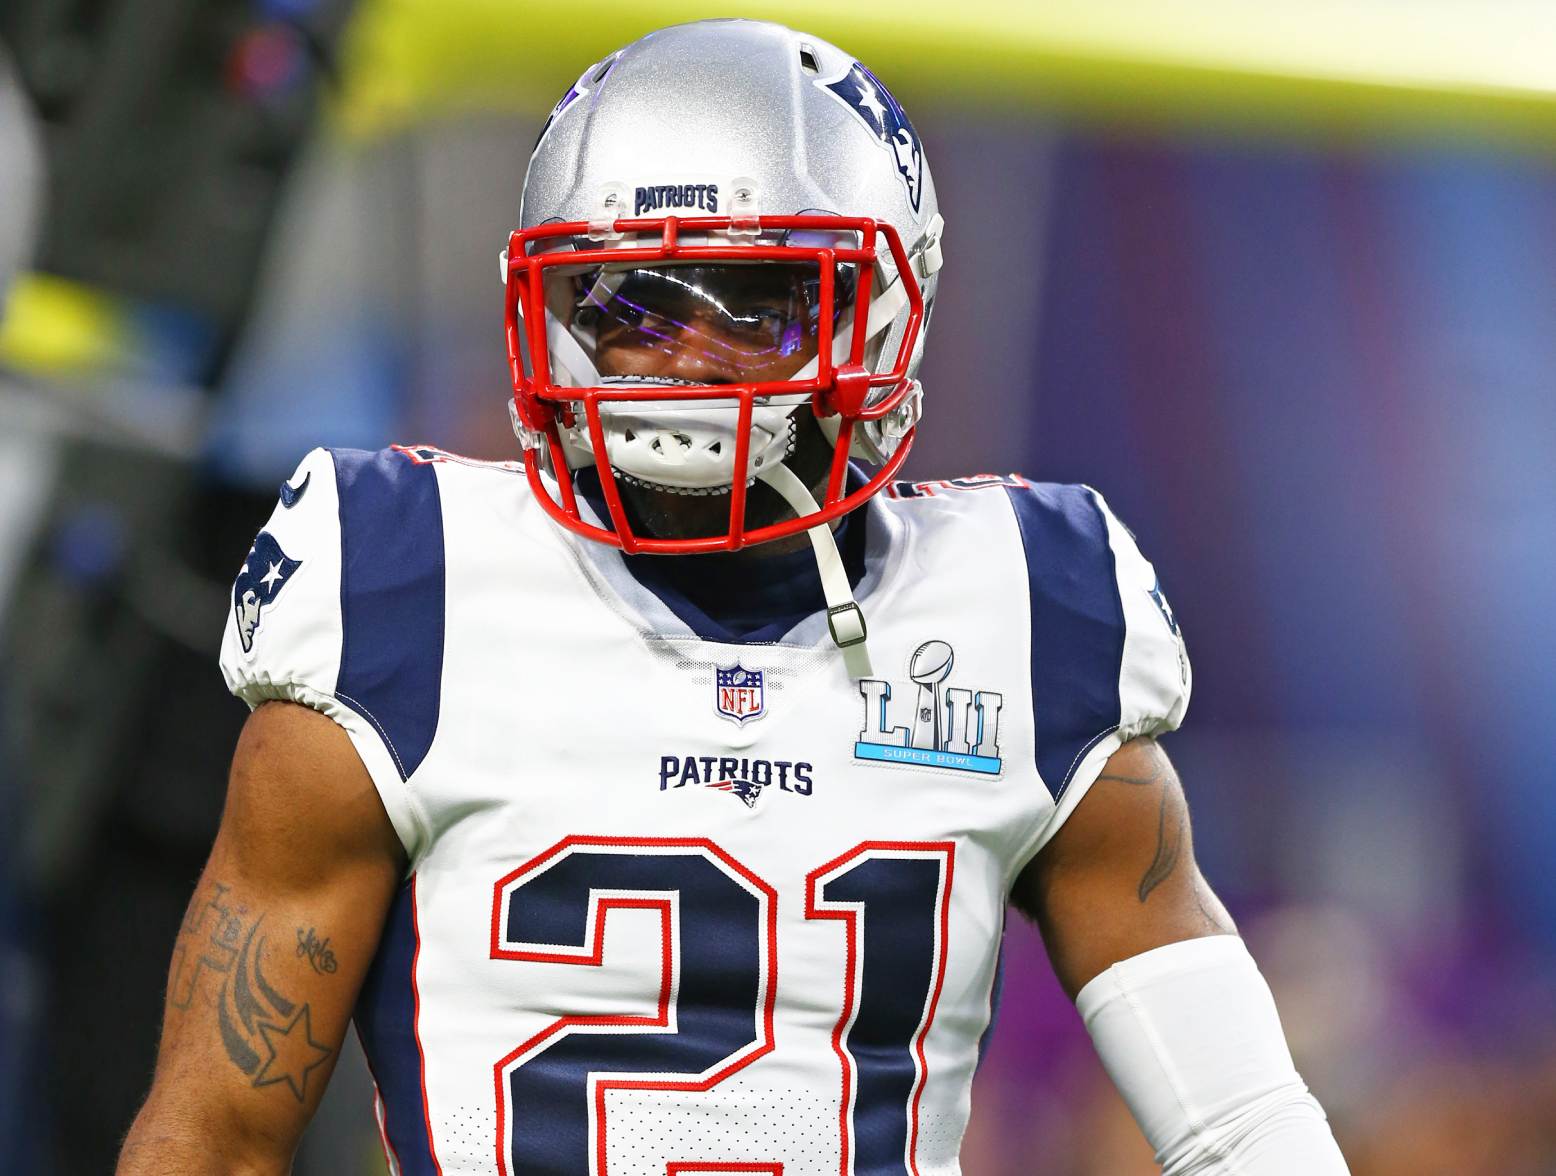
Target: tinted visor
<point>704,323</point>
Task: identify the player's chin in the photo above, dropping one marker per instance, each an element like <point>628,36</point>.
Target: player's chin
<point>663,512</point>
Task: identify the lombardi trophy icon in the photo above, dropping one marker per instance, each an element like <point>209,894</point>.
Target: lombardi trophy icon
<point>929,666</point>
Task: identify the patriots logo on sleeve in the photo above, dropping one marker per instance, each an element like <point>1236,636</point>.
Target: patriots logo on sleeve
<point>1160,599</point>
<point>291,495</point>
<point>266,571</point>
<point>879,111</point>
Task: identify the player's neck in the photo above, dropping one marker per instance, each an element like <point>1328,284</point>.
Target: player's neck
<point>758,593</point>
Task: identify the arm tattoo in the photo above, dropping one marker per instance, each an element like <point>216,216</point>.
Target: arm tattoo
<point>1170,828</point>
<point>265,1034</point>
<point>316,951</point>
<point>1212,919</point>
<point>1168,847</point>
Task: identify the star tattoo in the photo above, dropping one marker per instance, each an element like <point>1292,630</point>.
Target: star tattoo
<point>293,1053</point>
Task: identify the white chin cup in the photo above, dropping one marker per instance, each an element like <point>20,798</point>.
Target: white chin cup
<point>686,446</point>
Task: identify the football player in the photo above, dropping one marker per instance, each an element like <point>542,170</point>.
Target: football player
<point>653,802</point>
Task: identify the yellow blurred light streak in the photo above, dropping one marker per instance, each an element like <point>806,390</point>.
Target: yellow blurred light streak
<point>1334,66</point>
<point>57,327</point>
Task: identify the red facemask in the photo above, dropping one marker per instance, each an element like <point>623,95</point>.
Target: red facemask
<point>846,392</point>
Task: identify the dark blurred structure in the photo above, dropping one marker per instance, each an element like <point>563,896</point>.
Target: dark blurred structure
<point>21,198</point>
<point>21,183</point>
<point>169,129</point>
<point>171,125</point>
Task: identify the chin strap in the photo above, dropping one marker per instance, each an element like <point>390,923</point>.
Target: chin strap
<point>845,619</point>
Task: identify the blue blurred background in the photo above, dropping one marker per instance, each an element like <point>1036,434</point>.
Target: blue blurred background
<point>1290,304</point>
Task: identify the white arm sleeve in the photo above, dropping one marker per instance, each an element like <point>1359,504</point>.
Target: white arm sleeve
<point>1190,1036</point>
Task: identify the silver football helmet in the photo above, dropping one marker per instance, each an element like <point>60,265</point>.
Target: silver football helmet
<point>726,226</point>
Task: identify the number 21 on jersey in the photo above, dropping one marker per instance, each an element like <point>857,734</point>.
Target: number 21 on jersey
<point>718,990</point>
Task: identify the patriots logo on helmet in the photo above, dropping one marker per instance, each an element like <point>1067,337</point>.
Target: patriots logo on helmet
<point>746,790</point>
<point>879,111</point>
<point>590,78</point>
<point>562,104</point>
<point>264,574</point>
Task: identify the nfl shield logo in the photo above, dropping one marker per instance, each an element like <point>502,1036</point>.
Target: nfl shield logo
<point>740,696</point>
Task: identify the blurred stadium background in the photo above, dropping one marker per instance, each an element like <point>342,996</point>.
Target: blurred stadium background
<point>1280,279</point>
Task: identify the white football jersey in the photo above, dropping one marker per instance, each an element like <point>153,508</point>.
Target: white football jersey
<point>678,906</point>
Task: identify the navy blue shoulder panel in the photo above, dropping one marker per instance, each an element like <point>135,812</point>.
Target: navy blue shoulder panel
<point>1077,625</point>
<point>391,598</point>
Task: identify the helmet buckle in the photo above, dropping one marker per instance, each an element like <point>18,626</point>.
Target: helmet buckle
<point>930,256</point>
<point>906,414</point>
<point>745,213</point>
<point>847,625</point>
<point>612,206</point>
<point>529,438</point>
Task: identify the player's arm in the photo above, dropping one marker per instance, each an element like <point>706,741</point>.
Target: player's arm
<point>1119,877</point>
<point>271,954</point>
<point>1181,1017</point>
